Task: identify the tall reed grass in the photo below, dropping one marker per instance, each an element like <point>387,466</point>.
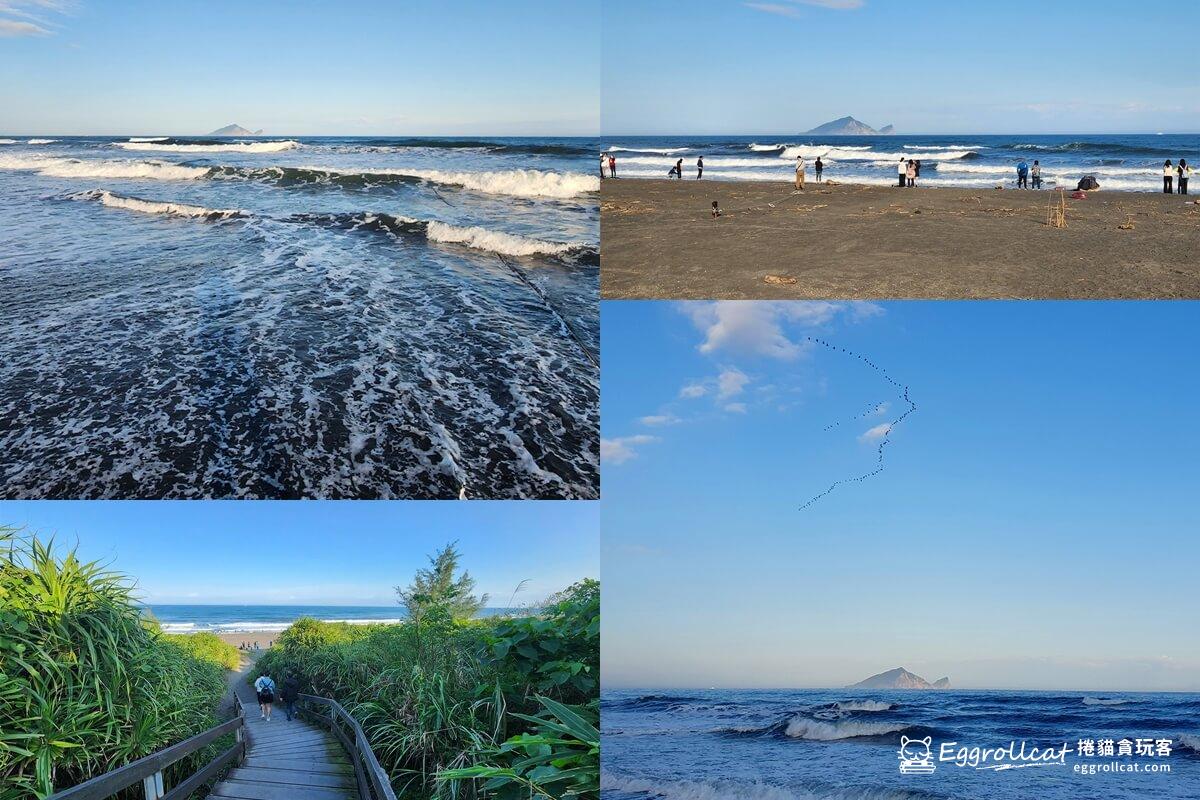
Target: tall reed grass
<point>86,683</point>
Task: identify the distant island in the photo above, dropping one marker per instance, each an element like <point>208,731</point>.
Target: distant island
<point>234,130</point>
<point>900,678</point>
<point>849,126</point>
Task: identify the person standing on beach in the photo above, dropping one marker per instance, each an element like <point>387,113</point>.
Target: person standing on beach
<point>1184,172</point>
<point>903,172</point>
<point>603,161</point>
<point>265,687</point>
<point>1037,174</point>
<point>917,166</point>
<point>1168,176</point>
<point>289,693</point>
<point>1022,175</point>
<point>820,168</point>
<point>679,169</point>
<point>699,167</point>
<point>612,166</point>
<point>910,172</point>
<point>800,173</point>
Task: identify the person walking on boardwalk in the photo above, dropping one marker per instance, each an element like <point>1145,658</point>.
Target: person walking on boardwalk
<point>819,167</point>
<point>903,172</point>
<point>699,167</point>
<point>679,169</point>
<point>1022,175</point>
<point>800,173</point>
<point>612,166</point>
<point>289,693</point>
<point>910,172</point>
<point>1036,174</point>
<point>1168,176</point>
<point>265,687</point>
<point>1184,172</point>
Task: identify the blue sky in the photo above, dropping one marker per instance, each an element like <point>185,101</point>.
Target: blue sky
<point>336,553</point>
<point>926,66</point>
<point>1034,526</point>
<point>426,67</point>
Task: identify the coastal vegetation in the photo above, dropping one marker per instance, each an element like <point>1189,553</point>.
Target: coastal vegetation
<point>87,682</point>
<point>458,706</point>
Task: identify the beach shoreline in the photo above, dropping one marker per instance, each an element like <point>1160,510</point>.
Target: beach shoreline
<point>857,241</point>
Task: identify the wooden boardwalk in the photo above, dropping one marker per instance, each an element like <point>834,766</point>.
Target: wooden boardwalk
<point>287,760</point>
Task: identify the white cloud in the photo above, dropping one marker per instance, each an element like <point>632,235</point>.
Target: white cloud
<point>30,16</point>
<point>881,409</point>
<point>731,382</point>
<point>10,27</point>
<point>659,419</point>
<point>789,9</point>
<point>620,450</point>
<point>755,327</point>
<point>875,434</point>
<point>736,408</point>
<point>693,390</point>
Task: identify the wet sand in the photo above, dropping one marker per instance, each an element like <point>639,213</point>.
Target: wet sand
<point>853,241</point>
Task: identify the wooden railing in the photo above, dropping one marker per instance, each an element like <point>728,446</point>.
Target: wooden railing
<point>149,770</point>
<point>373,782</point>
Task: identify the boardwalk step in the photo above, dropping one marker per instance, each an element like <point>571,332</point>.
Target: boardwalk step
<point>292,777</point>
<point>330,767</point>
<point>242,790</point>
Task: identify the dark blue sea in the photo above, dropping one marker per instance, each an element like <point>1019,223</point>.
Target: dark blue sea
<point>237,619</point>
<point>1118,162</point>
<point>286,317</point>
<point>845,745</point>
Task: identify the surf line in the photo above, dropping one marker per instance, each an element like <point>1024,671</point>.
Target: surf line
<point>879,461</point>
<point>566,326</point>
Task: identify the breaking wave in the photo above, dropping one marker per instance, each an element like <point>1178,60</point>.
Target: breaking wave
<point>745,790</point>
<point>231,147</point>
<point>514,182</point>
<point>75,168</point>
<point>107,198</point>
<point>1188,741</point>
<point>8,141</point>
<point>666,151</point>
<point>149,138</point>
<point>804,728</point>
<point>865,705</point>
<point>1099,701</point>
<point>477,144</point>
<point>41,141</point>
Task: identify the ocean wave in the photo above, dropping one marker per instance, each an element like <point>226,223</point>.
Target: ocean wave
<point>1099,701</point>
<point>801,727</point>
<point>665,150</point>
<point>1105,148</point>
<point>8,141</point>
<point>745,790</point>
<point>252,626</point>
<point>1188,741</point>
<point>842,153</point>
<point>865,705</point>
<point>657,702</point>
<point>301,176</point>
<point>529,183</point>
<point>107,198</point>
<point>230,147</point>
<point>149,138</point>
<point>475,144</point>
<point>41,141</point>
<point>75,168</point>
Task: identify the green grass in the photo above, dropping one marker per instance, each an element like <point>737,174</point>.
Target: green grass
<point>86,683</point>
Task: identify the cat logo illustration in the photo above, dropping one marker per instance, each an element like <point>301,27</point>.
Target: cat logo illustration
<point>916,757</point>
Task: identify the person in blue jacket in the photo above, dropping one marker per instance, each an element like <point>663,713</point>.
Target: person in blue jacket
<point>1022,175</point>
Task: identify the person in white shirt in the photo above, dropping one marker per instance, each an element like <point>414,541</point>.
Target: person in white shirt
<point>603,161</point>
<point>903,172</point>
<point>800,173</point>
<point>1168,177</point>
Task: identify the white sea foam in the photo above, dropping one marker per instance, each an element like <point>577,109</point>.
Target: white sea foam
<point>8,141</point>
<point>804,728</point>
<point>250,626</point>
<point>1100,701</point>
<point>513,182</point>
<point>75,168</point>
<point>148,138</point>
<point>743,790</point>
<point>1188,742</point>
<point>232,147</point>
<point>41,141</point>
<point>864,705</point>
<point>664,150</point>
<point>107,198</point>
<point>495,241</point>
<point>863,153</point>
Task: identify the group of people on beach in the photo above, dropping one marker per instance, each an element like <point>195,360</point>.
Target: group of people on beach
<point>608,162</point>
<point>1024,173</point>
<point>908,172</point>
<point>289,693</point>
<point>1181,172</point>
<point>677,170</point>
<point>801,166</point>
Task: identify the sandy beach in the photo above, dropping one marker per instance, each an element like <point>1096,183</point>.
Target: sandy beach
<point>856,241</point>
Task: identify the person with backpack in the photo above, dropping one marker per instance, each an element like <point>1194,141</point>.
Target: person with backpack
<point>289,693</point>
<point>819,167</point>
<point>1168,176</point>
<point>699,167</point>
<point>1022,175</point>
<point>1036,173</point>
<point>265,688</point>
<point>1184,172</point>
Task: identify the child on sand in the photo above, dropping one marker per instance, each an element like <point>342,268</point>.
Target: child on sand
<point>265,687</point>
<point>800,173</point>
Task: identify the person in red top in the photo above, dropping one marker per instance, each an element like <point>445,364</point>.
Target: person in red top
<point>612,166</point>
